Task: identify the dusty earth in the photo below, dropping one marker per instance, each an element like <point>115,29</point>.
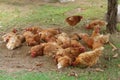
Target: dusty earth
<point>20,59</point>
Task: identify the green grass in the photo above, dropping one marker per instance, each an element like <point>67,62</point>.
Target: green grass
<point>98,13</point>
<point>119,1</point>
<point>45,15</point>
<point>86,75</point>
<point>118,26</point>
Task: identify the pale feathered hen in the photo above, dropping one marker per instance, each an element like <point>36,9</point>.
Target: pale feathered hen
<point>14,41</point>
<point>63,40</point>
<point>7,36</point>
<point>100,40</point>
<point>64,62</point>
<point>103,38</point>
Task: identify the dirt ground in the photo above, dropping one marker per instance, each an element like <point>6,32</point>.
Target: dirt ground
<point>20,59</point>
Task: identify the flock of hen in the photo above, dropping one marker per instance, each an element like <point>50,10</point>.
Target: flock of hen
<point>66,50</point>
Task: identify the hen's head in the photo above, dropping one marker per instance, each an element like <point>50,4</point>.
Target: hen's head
<point>33,54</point>
<point>97,29</point>
<point>14,30</point>
<point>82,49</point>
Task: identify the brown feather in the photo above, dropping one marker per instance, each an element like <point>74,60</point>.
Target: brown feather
<point>73,20</point>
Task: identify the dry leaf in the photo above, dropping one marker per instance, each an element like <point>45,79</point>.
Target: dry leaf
<point>115,56</point>
<point>31,69</point>
<point>105,66</point>
<point>107,58</point>
<point>114,49</point>
<point>99,70</point>
<point>73,74</point>
<point>19,66</point>
<point>109,79</point>
<point>118,65</point>
<point>40,64</point>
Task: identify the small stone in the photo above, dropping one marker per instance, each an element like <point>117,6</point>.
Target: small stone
<point>99,70</point>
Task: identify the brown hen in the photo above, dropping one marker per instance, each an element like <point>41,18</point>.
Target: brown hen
<point>14,42</point>
<point>37,50</point>
<point>31,39</point>
<point>64,62</point>
<point>48,35</point>
<point>73,20</point>
<point>87,39</point>
<point>89,58</point>
<point>93,23</point>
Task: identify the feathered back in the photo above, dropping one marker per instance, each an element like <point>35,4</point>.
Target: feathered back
<point>73,20</point>
<point>93,23</point>
<point>88,58</point>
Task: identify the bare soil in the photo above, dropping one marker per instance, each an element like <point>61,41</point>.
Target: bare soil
<point>19,59</point>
